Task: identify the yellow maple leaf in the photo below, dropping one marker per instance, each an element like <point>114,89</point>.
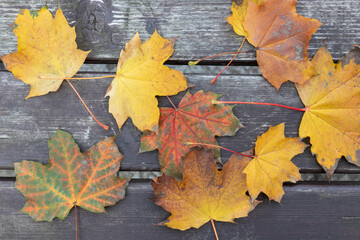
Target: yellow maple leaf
<point>238,16</point>
<point>205,193</point>
<point>272,164</point>
<point>140,76</point>
<point>332,109</point>
<point>46,49</point>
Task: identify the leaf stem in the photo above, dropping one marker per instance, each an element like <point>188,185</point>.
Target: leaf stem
<point>107,76</point>
<point>102,125</point>
<point>192,63</point>
<point>216,146</point>
<point>259,103</point>
<point>242,44</point>
<point>171,102</point>
<point>213,225</point>
<point>76,222</point>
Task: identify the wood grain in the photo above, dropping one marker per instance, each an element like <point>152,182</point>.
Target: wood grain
<point>105,26</point>
<point>26,126</point>
<point>307,211</point>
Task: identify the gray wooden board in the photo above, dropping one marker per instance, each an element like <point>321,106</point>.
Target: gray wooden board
<point>26,126</point>
<point>105,26</point>
<point>307,211</point>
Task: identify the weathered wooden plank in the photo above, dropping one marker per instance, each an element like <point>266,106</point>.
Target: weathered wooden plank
<point>105,26</point>
<point>145,175</point>
<point>308,211</point>
<point>26,126</point>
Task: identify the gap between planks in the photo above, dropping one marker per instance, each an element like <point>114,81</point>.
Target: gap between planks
<point>306,177</point>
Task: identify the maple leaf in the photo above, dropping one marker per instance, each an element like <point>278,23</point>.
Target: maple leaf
<point>46,49</point>
<point>86,179</point>
<point>238,15</point>
<point>332,109</point>
<point>140,76</point>
<point>272,164</point>
<point>196,119</point>
<point>281,38</point>
<point>204,193</point>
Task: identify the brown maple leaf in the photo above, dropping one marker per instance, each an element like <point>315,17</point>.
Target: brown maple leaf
<point>281,38</point>
<point>205,194</point>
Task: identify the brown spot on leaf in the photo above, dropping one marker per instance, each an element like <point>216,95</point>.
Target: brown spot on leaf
<point>299,52</point>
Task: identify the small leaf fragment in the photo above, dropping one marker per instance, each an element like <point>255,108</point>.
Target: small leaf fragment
<point>86,179</point>
<point>238,16</point>
<point>193,63</point>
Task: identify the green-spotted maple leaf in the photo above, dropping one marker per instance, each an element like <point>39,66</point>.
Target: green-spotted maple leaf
<point>196,119</point>
<point>71,178</point>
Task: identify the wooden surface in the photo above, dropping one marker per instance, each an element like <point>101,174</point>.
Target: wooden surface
<point>309,210</point>
<point>105,26</point>
<point>27,125</point>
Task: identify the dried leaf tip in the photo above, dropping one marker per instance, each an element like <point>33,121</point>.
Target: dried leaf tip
<point>192,63</point>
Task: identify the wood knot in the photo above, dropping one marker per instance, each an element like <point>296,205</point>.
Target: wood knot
<point>150,26</point>
<point>93,18</point>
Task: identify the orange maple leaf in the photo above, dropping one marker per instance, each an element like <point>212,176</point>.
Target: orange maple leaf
<point>205,193</point>
<point>87,180</point>
<point>332,109</point>
<point>196,119</point>
<point>47,51</point>
<point>281,38</point>
<point>140,76</point>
